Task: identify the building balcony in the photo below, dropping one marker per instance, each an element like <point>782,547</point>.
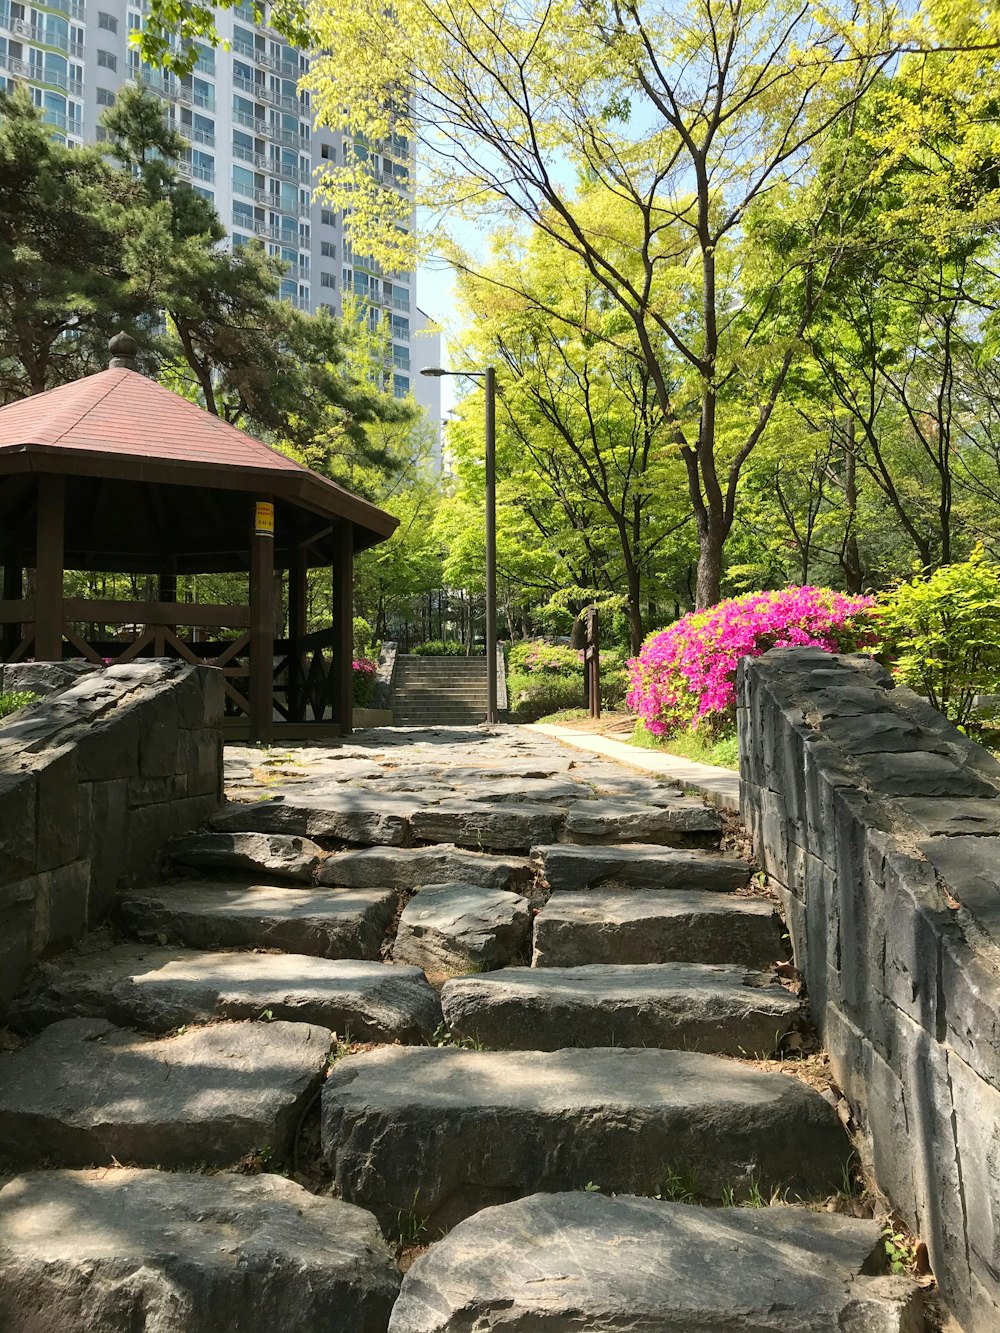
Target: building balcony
<point>188,97</point>
<point>55,41</point>
<point>196,135</point>
<point>189,170</point>
<point>74,8</point>
<point>267,232</point>
<point>261,162</point>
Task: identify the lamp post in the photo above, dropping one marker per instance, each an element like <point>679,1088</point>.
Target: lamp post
<point>489,378</point>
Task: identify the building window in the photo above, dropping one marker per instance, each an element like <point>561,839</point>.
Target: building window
<point>327,280</point>
<point>106,60</point>
<point>108,22</point>
<point>400,386</point>
<point>328,250</point>
<point>327,152</point>
<point>328,217</point>
<point>105,98</point>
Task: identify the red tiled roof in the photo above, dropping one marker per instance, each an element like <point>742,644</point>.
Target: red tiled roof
<point>122,412</point>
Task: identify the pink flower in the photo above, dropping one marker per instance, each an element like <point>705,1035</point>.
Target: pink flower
<point>686,675</point>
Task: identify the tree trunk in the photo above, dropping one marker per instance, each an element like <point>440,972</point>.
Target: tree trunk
<point>850,560</point>
<point>708,591</point>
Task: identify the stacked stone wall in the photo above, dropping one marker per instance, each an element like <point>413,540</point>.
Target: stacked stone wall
<point>879,825</point>
<point>93,780</point>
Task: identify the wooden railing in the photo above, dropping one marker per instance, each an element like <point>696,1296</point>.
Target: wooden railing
<point>304,675</point>
<point>151,631</point>
<point>304,678</point>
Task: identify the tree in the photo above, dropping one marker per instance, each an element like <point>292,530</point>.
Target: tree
<point>63,287</point>
<point>247,355</point>
<point>587,433</point>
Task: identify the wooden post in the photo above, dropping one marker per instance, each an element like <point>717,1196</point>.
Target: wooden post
<point>261,619</point>
<point>592,662</point>
<point>297,619</point>
<point>49,558</point>
<point>13,591</point>
<point>342,585</point>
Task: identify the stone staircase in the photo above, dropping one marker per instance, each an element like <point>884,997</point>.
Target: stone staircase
<point>438,691</point>
<point>490,1026</point>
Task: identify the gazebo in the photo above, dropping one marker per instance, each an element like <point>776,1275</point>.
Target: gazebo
<point>118,474</point>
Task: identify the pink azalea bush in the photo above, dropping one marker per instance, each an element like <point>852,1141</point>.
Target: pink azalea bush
<point>364,681</point>
<point>685,675</point>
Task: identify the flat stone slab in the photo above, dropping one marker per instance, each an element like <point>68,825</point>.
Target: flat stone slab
<point>88,1093</point>
<point>951,817</point>
<point>922,773</point>
<point>970,866</point>
<point>584,1261</point>
<point>345,814</point>
<point>511,791</point>
<point>647,926</point>
<point>497,827</point>
<point>109,1251</point>
<point>455,927</point>
<point>328,923</point>
<point>672,823</point>
<point>450,1131</point>
<point>267,853</point>
<point>690,1007</point>
<point>528,767</point>
<point>163,988</point>
<point>415,867</point>
<point>639,866</point>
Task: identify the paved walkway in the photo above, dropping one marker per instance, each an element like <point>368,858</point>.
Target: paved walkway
<point>720,785</point>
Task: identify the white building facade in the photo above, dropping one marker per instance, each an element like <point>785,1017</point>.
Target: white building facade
<point>252,148</point>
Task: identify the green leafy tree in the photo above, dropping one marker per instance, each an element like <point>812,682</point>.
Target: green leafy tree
<point>943,631</point>
<point>63,286</point>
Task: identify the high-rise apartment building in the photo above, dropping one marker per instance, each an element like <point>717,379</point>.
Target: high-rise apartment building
<point>252,148</point>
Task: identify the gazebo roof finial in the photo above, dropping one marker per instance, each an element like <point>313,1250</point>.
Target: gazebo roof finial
<point>123,348</point>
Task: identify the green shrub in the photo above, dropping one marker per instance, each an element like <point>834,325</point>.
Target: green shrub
<point>532,697</point>
<point>942,634</point>
<point>15,699</point>
<point>440,648</point>
<point>614,685</point>
<point>537,658</point>
<point>363,638</point>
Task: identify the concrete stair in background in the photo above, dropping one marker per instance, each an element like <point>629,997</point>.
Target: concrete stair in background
<point>438,691</point>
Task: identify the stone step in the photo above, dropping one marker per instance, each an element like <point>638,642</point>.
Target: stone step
<point>639,866</point>
<point>87,1093</point>
<point>439,717</point>
<point>415,867</point>
<point>327,923</point>
<point>498,827</point>
<point>446,1132</point>
<point>648,926</point>
<point>677,822</point>
<point>584,1261</point>
<point>108,1251</point>
<point>723,1010</point>
<point>263,853</point>
<point>343,813</point>
<point>462,927</point>
<point>163,988</point>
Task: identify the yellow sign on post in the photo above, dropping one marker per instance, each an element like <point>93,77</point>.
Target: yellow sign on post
<point>263,523</point>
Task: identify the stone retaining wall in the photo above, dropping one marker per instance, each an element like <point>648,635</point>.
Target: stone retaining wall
<point>879,825</point>
<point>93,780</point>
